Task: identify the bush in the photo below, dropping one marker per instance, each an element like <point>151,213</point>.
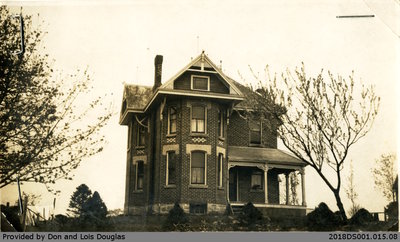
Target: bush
<point>228,210</point>
<point>392,211</point>
<point>361,217</point>
<point>323,219</point>
<point>251,217</point>
<point>12,216</point>
<point>177,220</point>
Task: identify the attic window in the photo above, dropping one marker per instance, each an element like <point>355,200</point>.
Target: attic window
<point>200,83</point>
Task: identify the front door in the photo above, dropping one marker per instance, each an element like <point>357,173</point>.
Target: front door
<point>233,184</point>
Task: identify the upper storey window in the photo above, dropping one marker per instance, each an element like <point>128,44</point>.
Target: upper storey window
<point>198,122</point>
<point>221,124</point>
<point>172,120</point>
<point>141,137</point>
<point>200,83</point>
<point>255,132</point>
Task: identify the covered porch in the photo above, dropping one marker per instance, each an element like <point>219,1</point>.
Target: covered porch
<point>271,179</point>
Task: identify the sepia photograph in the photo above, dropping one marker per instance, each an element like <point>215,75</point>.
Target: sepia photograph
<point>199,116</point>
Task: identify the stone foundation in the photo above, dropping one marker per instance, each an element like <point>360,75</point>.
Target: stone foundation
<point>165,208</point>
<point>216,208</point>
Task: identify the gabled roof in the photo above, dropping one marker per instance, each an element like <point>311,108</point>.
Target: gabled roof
<point>265,155</point>
<point>203,60</point>
<point>138,99</point>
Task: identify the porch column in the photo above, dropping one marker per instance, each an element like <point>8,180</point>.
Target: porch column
<point>227,182</point>
<point>265,168</point>
<point>303,187</point>
<point>287,188</point>
<point>227,187</point>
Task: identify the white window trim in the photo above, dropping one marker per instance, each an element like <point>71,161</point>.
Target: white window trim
<point>220,181</point>
<point>191,83</point>
<point>205,169</point>
<point>169,120</point>
<point>166,170</point>
<point>205,118</point>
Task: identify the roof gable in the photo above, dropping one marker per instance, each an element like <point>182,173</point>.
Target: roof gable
<point>203,64</point>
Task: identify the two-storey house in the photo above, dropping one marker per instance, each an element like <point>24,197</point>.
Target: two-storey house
<point>189,143</point>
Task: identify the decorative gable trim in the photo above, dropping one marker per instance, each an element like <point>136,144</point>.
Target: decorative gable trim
<point>206,62</point>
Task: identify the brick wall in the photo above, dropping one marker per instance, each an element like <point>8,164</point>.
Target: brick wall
<point>273,187</point>
<point>239,133</point>
<point>183,192</point>
<point>155,189</point>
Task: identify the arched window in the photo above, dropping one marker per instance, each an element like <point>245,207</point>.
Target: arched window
<point>198,167</point>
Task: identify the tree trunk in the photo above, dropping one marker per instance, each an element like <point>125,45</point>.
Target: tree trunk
<point>340,206</point>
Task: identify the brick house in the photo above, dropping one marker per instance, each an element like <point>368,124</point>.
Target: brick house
<point>189,143</point>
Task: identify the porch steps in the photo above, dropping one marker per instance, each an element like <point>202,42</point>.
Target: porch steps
<point>237,209</point>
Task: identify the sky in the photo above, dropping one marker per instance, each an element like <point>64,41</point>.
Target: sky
<point>118,42</point>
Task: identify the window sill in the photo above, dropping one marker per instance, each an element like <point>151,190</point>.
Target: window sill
<point>169,186</point>
<point>221,188</point>
<point>221,138</point>
<point>138,191</point>
<point>201,90</point>
<point>198,186</point>
<point>140,147</point>
<point>255,145</point>
<point>198,135</point>
<point>256,190</point>
<point>171,135</point>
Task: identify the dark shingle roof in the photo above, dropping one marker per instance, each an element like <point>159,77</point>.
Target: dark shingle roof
<point>137,96</point>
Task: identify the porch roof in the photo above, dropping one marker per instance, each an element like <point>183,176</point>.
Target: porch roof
<point>265,155</point>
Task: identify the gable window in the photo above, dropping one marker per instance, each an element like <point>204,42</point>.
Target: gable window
<point>171,168</point>
<point>198,121</point>
<point>219,169</point>
<point>141,141</point>
<point>221,124</point>
<point>255,132</point>
<point>200,83</point>
<point>256,180</point>
<point>139,175</point>
<point>198,167</point>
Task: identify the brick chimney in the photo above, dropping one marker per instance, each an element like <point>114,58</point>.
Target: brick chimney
<point>157,71</point>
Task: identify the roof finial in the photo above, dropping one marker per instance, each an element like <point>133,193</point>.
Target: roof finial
<point>202,60</point>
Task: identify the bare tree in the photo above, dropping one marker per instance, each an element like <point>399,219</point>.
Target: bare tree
<point>351,192</point>
<point>42,136</point>
<point>385,175</point>
<point>319,119</point>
